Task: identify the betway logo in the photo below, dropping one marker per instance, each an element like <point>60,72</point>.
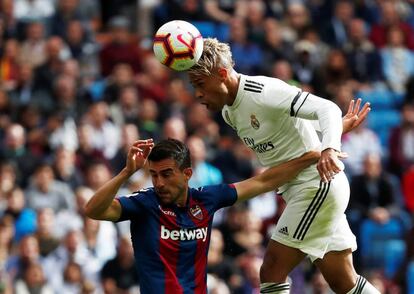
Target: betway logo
<point>184,234</point>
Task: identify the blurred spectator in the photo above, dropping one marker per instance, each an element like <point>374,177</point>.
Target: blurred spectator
<point>72,278</point>
<point>296,20</point>
<point>27,94</point>
<point>100,239</point>
<point>78,41</point>
<point>67,10</point>
<point>126,109</point>
<point>61,132</point>
<point>6,241</point>
<point>45,233</point>
<point>32,51</point>
<point>390,18</point>
<point>129,134</point>
<point>27,10</point>
<point>6,111</point>
<point>222,266</point>
<point>249,238</point>
<point>362,56</point>
<point>318,284</point>
<point>53,65</point>
<point>223,11</point>
<point>373,194</point>
<point>86,152</point>
<point>9,65</point>
<point>64,166</point>
<point>149,126</point>
<point>119,275</point>
<point>321,49</point>
<point>200,123</point>
<point>250,264</point>
<point>401,144</point>
<point>152,80</point>
<point>397,60</point>
<point>97,174</point>
<point>28,253</point>
<point>204,174</point>
<point>306,69</point>
<point>45,191</point>
<point>7,180</point>
<point>105,134</point>
<point>9,21</point>
<point>335,30</point>
<point>24,218</point>
<point>33,281</point>
<point>191,10</point>
<point>66,97</point>
<point>407,182</point>
<point>14,149</point>
<point>120,49</point>
<point>355,145</point>
<point>174,128</point>
<point>121,76</point>
<point>255,20</point>
<point>74,250</point>
<point>282,70</point>
<point>336,72</point>
<point>275,47</point>
<point>242,47</point>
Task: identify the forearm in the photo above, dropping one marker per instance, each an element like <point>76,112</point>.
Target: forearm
<point>101,201</point>
<point>274,177</point>
<point>277,176</point>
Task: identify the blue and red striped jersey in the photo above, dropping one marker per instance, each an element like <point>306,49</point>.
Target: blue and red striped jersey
<point>170,242</point>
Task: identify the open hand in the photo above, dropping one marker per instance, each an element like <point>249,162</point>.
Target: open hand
<point>354,117</point>
<point>138,154</point>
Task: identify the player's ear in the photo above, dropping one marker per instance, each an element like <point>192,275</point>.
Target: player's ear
<point>223,73</point>
<point>188,172</point>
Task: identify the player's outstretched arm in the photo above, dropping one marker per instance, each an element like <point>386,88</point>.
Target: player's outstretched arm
<point>103,206</point>
<point>274,177</point>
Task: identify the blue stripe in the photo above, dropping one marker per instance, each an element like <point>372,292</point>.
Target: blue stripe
<point>146,242</point>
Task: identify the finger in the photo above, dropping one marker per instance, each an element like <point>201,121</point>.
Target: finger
<point>357,105</point>
<point>363,114</point>
<point>365,109</point>
<point>351,107</point>
<point>342,155</point>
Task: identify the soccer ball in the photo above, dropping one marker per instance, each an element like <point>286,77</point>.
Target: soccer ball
<point>178,44</point>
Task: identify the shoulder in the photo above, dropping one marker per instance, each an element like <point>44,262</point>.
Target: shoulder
<point>145,196</point>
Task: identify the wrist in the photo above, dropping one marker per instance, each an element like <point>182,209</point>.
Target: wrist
<point>125,173</point>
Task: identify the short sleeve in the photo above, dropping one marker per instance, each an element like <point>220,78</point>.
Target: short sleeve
<point>223,195</point>
<point>132,206</point>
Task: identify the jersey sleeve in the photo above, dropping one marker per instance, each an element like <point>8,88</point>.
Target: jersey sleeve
<point>281,97</point>
<point>132,206</point>
<point>223,195</point>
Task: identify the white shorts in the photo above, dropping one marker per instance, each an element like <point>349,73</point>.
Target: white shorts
<point>314,220</point>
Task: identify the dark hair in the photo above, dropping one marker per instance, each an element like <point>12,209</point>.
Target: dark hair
<point>174,149</point>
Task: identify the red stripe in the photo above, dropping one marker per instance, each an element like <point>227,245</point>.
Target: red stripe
<point>169,250</point>
<point>201,253</point>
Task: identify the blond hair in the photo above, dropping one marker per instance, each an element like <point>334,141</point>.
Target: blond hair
<point>215,54</point>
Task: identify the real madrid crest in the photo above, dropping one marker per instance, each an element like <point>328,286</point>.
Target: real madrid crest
<point>196,212</point>
<point>254,122</point>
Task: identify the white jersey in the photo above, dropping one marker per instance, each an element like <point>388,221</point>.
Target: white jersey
<point>273,119</point>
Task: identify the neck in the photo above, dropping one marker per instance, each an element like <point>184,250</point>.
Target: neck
<point>182,200</point>
<point>233,86</point>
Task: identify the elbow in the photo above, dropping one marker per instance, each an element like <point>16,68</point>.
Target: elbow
<point>88,211</point>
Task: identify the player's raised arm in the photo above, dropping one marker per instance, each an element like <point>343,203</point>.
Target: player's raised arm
<point>103,206</point>
<point>274,177</point>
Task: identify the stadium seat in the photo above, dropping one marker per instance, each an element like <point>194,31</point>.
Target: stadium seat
<point>394,253</point>
<point>382,122</point>
<point>206,28</point>
<point>410,279</point>
<point>375,239</point>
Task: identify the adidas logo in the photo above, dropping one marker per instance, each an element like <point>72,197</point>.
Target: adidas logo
<point>284,231</point>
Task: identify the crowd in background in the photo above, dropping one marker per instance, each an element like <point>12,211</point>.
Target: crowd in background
<point>79,83</point>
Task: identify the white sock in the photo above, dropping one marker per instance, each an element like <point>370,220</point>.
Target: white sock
<point>363,287</point>
<point>274,288</point>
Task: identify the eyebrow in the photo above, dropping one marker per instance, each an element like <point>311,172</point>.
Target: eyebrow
<point>162,171</point>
